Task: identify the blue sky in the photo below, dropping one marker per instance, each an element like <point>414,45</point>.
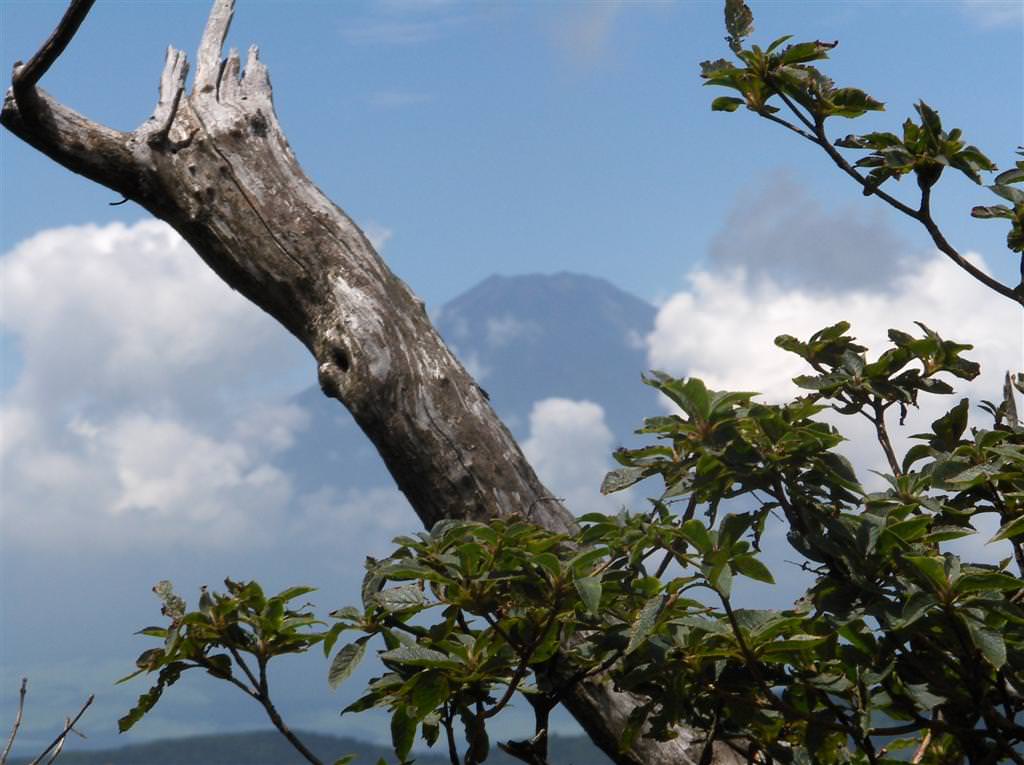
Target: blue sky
<point>143,402</point>
<point>521,137</point>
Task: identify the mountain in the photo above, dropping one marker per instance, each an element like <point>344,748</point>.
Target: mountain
<point>525,339</point>
<point>270,748</point>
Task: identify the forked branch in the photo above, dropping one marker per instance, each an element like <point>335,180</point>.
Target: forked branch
<point>57,745</point>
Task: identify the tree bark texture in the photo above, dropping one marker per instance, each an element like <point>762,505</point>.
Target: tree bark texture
<point>215,165</point>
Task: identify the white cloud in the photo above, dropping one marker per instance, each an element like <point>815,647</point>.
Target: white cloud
<point>115,315</point>
<point>137,412</point>
<point>722,328</point>
<point>570,446</point>
<point>989,13</point>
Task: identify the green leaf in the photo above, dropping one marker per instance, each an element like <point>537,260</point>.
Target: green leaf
<point>348,613</point>
<point>750,566</point>
<point>726,104</point>
<point>293,592</point>
<point>372,581</point>
<point>167,677</point>
<point>802,53</point>
<point>931,568</point>
<point>720,577</point>
<point>1009,530</point>
<point>345,661</point>
<point>428,693</point>
<point>697,534</point>
<point>987,582</point>
<point>779,41</point>
<point>589,589</point>
<point>419,656</point>
<point>401,598</point>
<point>644,622</point>
<point>915,607</point>
<point>988,641</point>
<point>622,478</point>
<point>345,760</point>
<point>992,211</point>
<point>949,428</point>
<point>922,696</point>
<point>1009,193</point>
<point>793,644</point>
<point>403,732</point>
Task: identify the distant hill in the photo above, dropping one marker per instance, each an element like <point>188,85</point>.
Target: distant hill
<point>270,748</point>
<point>567,335</point>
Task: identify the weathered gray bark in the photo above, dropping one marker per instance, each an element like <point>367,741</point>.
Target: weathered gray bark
<point>215,165</point>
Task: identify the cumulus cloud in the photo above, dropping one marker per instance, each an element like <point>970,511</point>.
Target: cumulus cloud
<point>569,446</point>
<point>721,329</point>
<point>780,232</point>
<point>139,410</point>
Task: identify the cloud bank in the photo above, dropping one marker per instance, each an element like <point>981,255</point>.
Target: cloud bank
<point>570,446</point>
<point>143,405</point>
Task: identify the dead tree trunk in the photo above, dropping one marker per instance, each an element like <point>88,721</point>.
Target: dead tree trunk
<point>215,165</point>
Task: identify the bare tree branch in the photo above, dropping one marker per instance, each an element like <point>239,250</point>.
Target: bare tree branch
<point>17,721</point>
<point>25,77</point>
<point>215,165</point>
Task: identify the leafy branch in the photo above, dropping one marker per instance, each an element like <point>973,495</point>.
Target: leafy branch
<point>924,148</point>
<point>218,636</point>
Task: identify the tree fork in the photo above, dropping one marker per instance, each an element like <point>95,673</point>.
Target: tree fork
<point>215,165</point>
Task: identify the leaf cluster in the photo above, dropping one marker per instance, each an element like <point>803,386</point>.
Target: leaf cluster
<point>897,643</point>
<point>924,148</point>
<point>217,637</point>
<point>786,72</point>
<point>1004,187</point>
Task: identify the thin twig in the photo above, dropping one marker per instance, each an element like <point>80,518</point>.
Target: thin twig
<point>779,121</point>
<point>921,750</point>
<point>17,721</point>
<point>883,438</point>
<point>264,698</point>
<point>25,77</point>
<point>68,727</point>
